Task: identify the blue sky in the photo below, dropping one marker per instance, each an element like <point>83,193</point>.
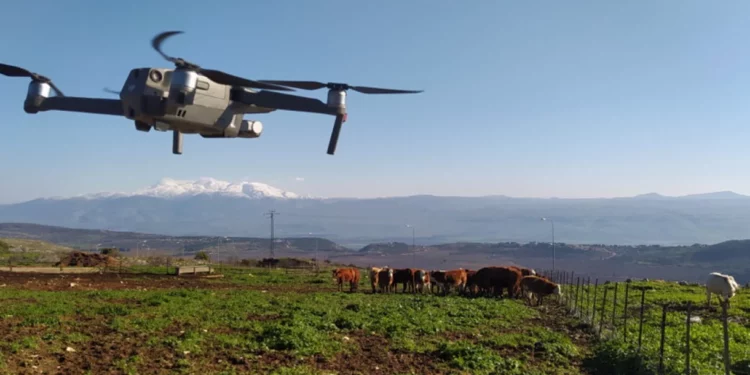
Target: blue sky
<point>567,99</point>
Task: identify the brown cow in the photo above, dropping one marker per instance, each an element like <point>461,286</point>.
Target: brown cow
<point>499,278</point>
<point>534,286</point>
<point>447,279</point>
<point>350,275</point>
<point>422,280</point>
<point>385,279</point>
<point>374,272</point>
<point>403,276</point>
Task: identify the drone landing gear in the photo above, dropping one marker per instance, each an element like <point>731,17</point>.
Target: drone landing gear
<point>176,142</point>
<point>340,119</point>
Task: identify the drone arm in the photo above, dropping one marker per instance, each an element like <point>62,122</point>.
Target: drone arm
<point>87,105</point>
<point>270,99</point>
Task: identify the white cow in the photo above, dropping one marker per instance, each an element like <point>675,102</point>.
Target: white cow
<point>722,285</point>
<point>374,271</point>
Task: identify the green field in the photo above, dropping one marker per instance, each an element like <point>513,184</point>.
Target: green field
<point>279,322</point>
<point>619,355</point>
<point>295,322</point>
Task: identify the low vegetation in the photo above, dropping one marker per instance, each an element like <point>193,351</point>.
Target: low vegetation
<point>291,321</point>
<point>620,355</point>
<point>271,321</point>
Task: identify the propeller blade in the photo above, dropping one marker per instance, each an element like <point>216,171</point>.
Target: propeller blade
<point>215,75</point>
<point>14,71</point>
<point>159,39</point>
<point>111,91</point>
<point>232,80</point>
<point>57,90</point>
<point>304,85</point>
<point>314,85</point>
<point>375,90</point>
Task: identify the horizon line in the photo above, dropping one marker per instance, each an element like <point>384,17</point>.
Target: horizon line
<point>644,195</point>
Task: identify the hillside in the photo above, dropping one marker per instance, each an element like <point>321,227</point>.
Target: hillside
<point>32,246</point>
<point>728,251</point>
<point>23,251</point>
<point>130,241</point>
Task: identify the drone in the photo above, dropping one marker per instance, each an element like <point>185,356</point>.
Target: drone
<point>190,99</point>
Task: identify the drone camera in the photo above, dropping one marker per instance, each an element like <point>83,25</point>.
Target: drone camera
<point>250,129</point>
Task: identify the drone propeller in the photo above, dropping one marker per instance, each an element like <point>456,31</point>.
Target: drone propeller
<point>108,90</point>
<point>14,71</point>
<point>314,85</point>
<point>214,75</point>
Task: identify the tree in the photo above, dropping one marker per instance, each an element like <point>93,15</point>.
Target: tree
<point>201,255</point>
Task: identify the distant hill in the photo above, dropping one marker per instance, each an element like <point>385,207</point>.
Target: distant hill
<point>88,239</point>
<point>32,246</point>
<point>728,251</point>
<point>209,207</point>
<point>386,248</point>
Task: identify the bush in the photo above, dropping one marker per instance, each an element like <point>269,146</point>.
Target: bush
<point>201,255</point>
<point>4,247</point>
<point>111,251</point>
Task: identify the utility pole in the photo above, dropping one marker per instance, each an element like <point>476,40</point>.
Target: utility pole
<point>271,214</point>
<point>413,245</point>
<point>316,249</point>
<point>553,240</point>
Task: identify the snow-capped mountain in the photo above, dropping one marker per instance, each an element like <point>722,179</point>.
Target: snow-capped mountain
<point>172,188</point>
<point>209,206</point>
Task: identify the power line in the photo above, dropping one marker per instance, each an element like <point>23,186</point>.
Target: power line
<point>271,214</point>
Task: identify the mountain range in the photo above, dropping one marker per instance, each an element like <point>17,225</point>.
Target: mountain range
<point>212,207</point>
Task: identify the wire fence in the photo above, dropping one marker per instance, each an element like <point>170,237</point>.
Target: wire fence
<point>619,311</point>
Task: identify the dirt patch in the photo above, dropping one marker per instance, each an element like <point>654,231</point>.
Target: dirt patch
<point>98,281</point>
<point>115,281</point>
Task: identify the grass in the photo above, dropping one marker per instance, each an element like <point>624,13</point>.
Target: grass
<point>620,354</point>
<point>35,246</point>
<point>280,322</point>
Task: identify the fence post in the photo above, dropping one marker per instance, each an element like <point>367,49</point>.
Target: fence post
<point>640,324</point>
<point>578,294</point>
<point>601,318</point>
<point>625,313</point>
<point>588,296</point>
<point>593,305</point>
<point>724,318</point>
<point>661,344</point>
<point>570,288</point>
<point>614,311</point>
<point>687,338</point>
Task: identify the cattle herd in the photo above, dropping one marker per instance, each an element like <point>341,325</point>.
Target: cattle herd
<point>518,281</point>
